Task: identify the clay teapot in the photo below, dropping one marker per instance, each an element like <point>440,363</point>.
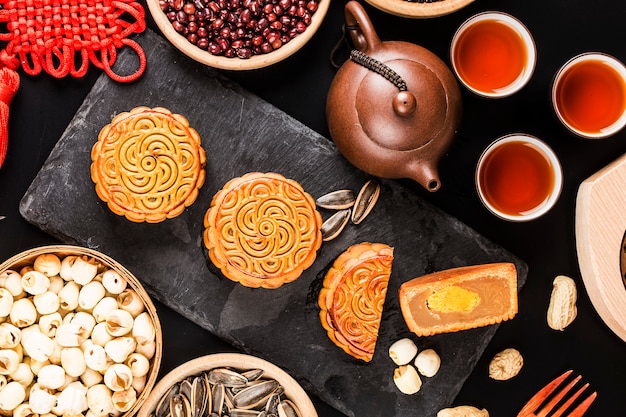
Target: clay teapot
<point>394,107</point>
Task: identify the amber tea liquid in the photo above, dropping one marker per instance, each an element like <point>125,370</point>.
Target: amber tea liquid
<point>590,96</point>
<point>516,178</point>
<point>490,55</point>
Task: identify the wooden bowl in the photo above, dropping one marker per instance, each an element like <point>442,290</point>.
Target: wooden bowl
<point>27,258</point>
<point>237,361</point>
<point>417,10</point>
<point>236,64</point>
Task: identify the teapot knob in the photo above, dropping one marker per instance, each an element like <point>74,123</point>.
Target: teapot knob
<point>404,103</point>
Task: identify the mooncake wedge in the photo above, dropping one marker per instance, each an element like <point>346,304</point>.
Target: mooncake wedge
<point>459,298</point>
<point>353,295</point>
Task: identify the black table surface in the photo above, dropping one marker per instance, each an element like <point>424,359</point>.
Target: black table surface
<point>44,106</point>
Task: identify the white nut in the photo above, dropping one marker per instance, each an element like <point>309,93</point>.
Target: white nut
<point>56,284</point>
<point>143,328</point>
<point>96,358</point>
<point>90,294</point>
<point>23,374</point>
<point>85,321</point>
<point>35,282</point>
<point>407,379</point>
<point>119,348</point>
<point>118,377</point>
<point>69,335</point>
<point>9,361</point>
<point>138,364</point>
<point>73,361</point>
<point>48,264</point>
<point>113,282</point>
<point>119,322</point>
<point>41,400</point>
<point>46,303</point>
<point>6,302</point>
<point>99,400</point>
<point>103,308</point>
<point>90,378</point>
<point>100,335</point>
<point>84,270</point>
<point>402,351</point>
<point>139,383</point>
<point>68,296</point>
<point>10,336</point>
<point>428,362</point>
<point>36,344</point>
<point>49,323</point>
<point>124,400</point>
<point>66,267</point>
<point>147,349</point>
<point>13,283</point>
<point>130,301</point>
<point>23,313</point>
<point>73,399</point>
<point>12,395</point>
<point>51,376</point>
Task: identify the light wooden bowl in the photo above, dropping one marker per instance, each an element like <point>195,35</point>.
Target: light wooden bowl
<point>293,390</point>
<point>236,64</point>
<point>26,258</point>
<point>417,10</point>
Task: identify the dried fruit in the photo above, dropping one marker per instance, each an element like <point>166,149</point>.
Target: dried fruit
<point>562,309</point>
<point>463,411</point>
<point>506,364</point>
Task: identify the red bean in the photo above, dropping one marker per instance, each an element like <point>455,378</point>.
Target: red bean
<point>239,28</point>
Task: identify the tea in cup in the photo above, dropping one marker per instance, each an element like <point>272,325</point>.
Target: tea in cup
<point>493,54</point>
<point>589,95</point>
<point>518,177</point>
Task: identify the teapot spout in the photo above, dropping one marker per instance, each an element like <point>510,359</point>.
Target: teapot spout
<point>426,175</point>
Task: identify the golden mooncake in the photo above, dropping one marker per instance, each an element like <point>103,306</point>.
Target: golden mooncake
<point>262,230</point>
<point>459,298</point>
<point>148,164</point>
<point>353,295</point>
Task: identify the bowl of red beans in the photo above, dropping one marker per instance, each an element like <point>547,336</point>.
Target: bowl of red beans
<point>238,34</point>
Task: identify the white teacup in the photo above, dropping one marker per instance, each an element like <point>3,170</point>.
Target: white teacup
<point>493,54</point>
<point>518,177</point>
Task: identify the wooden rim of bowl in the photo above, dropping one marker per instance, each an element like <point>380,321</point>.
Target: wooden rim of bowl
<point>28,256</point>
<point>417,10</point>
<point>221,62</point>
<point>236,360</point>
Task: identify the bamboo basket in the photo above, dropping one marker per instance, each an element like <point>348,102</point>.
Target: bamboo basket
<point>28,257</point>
<point>293,390</point>
<point>236,64</point>
<point>416,10</point>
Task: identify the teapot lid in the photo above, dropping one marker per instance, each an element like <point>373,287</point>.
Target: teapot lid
<point>407,110</point>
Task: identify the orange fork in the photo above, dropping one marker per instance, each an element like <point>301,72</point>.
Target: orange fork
<point>531,409</point>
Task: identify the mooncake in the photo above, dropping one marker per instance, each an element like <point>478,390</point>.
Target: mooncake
<point>262,230</point>
<point>148,164</point>
<point>352,298</point>
<point>459,298</point>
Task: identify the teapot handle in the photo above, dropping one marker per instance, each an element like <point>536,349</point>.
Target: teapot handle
<point>360,27</point>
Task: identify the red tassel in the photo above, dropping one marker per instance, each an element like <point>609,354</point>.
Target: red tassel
<point>9,83</point>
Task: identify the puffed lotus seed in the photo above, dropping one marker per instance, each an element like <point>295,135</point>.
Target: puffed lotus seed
<point>407,379</point>
<point>428,362</point>
<point>402,351</point>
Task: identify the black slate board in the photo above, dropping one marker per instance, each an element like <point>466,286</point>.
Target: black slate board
<point>242,133</point>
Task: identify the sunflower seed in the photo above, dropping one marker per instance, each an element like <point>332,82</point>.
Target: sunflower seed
<point>365,201</point>
<point>337,200</point>
<point>335,224</point>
